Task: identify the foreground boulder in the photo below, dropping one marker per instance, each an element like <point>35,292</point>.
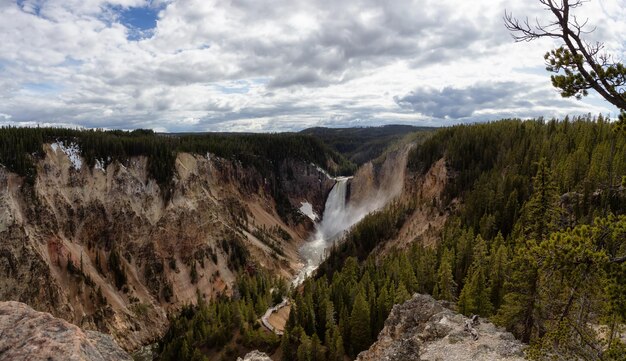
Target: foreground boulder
<point>26,334</point>
<point>255,356</point>
<point>423,329</point>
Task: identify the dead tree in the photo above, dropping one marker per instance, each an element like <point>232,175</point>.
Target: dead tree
<point>577,64</point>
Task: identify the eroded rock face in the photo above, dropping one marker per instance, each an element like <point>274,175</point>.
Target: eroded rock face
<point>255,356</point>
<point>423,329</point>
<point>378,183</point>
<point>101,248</point>
<point>26,334</point>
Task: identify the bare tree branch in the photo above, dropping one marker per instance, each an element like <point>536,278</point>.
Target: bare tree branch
<point>584,65</point>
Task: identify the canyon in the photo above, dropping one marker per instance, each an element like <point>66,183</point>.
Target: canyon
<point>103,249</point>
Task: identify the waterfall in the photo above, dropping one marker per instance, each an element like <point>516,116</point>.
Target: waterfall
<point>335,220</point>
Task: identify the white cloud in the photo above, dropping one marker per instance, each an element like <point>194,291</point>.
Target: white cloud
<point>252,65</point>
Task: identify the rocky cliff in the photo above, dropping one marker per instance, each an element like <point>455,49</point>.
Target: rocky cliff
<point>26,334</point>
<point>255,356</point>
<point>424,329</point>
<point>377,182</point>
<point>103,248</point>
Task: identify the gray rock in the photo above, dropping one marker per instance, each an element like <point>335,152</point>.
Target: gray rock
<point>255,356</point>
<point>423,329</point>
<point>26,334</point>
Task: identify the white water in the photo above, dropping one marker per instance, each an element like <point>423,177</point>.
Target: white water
<point>338,217</point>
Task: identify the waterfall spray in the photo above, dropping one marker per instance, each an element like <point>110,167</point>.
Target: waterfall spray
<point>331,226</point>
<point>339,215</point>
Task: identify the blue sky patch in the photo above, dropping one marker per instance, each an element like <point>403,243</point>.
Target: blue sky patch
<point>140,21</point>
<point>29,6</point>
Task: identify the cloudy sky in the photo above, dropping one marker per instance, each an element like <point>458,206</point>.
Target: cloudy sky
<point>260,65</point>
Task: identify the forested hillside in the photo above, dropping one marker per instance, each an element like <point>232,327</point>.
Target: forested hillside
<point>537,243</point>
<point>19,147</point>
<point>360,145</point>
<point>494,165</point>
<point>214,325</point>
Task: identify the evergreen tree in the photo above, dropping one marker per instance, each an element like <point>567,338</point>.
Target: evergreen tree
<point>304,350</point>
<point>383,307</point>
<point>541,212</point>
<point>445,288</point>
<point>286,344</point>
<point>407,275</point>
<point>520,311</point>
<point>475,295</point>
<point>193,273</point>
<point>338,348</point>
<point>317,353</point>
<point>463,255</point>
<point>344,328</point>
<point>499,261</point>
<point>401,294</point>
<point>334,344</point>
<point>360,333</point>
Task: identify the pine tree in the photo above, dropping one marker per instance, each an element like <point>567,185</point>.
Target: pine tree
<point>334,344</point>
<point>317,353</point>
<point>463,255</point>
<point>197,355</point>
<point>383,306</point>
<point>339,349</point>
<point>360,333</point>
<point>520,309</point>
<point>401,294</point>
<point>445,287</point>
<point>185,351</point>
<point>344,327</point>
<point>304,350</point>
<point>193,273</point>
<point>407,275</point>
<point>475,295</point>
<point>98,265</point>
<point>541,213</point>
<point>499,261</point>
<point>286,345</point>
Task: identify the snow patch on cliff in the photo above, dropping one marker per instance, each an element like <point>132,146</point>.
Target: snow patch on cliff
<point>99,165</point>
<point>72,151</point>
<point>321,170</point>
<point>307,209</point>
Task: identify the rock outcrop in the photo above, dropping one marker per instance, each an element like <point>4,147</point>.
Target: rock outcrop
<point>26,334</point>
<point>423,329</point>
<point>255,356</point>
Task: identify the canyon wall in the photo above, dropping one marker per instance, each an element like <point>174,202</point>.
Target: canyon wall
<point>102,248</point>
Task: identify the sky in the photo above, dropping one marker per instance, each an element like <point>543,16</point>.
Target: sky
<point>281,65</point>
